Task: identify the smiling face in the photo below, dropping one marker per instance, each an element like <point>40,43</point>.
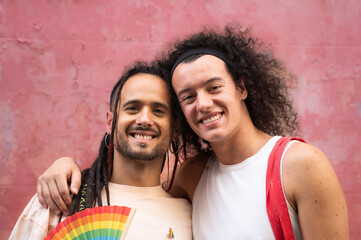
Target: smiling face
<point>210,100</point>
<point>143,129</point>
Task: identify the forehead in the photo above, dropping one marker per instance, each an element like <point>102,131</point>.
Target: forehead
<point>196,72</point>
<point>146,88</point>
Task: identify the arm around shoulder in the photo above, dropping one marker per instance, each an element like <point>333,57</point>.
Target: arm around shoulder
<point>187,177</point>
<point>314,191</point>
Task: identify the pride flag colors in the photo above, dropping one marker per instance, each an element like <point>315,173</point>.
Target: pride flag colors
<point>98,223</point>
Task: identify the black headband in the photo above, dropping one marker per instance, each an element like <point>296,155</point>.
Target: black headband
<point>206,51</point>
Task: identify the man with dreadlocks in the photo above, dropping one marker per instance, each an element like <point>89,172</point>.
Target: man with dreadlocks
<point>254,184</point>
<point>127,171</point>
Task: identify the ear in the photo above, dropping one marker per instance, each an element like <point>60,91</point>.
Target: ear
<point>109,121</point>
<point>241,88</point>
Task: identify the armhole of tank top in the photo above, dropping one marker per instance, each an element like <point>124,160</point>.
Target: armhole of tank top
<point>210,160</point>
<point>290,209</point>
<point>296,228</point>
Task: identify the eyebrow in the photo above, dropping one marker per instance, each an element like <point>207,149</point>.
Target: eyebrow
<point>213,79</point>
<point>165,106</point>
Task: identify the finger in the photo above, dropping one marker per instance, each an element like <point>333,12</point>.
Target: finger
<point>75,181</point>
<point>48,198</point>
<point>60,194</point>
<point>39,192</point>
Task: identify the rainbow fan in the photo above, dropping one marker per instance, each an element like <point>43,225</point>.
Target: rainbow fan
<point>108,223</point>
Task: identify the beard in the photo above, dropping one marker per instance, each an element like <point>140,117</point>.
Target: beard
<point>124,148</point>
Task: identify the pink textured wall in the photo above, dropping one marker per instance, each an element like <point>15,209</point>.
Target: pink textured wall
<point>60,59</point>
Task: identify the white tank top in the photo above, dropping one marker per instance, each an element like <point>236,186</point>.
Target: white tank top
<point>230,200</point>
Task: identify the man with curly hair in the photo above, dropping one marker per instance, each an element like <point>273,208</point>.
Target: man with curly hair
<point>245,181</point>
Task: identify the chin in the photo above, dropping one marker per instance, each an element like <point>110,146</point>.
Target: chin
<point>214,138</point>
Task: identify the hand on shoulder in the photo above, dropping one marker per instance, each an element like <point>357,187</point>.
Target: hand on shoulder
<point>53,188</point>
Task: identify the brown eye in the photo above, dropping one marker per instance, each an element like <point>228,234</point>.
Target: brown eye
<point>215,88</point>
<point>159,111</point>
<point>131,109</point>
<point>187,98</point>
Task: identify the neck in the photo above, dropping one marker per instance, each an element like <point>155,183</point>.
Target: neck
<point>136,172</point>
<point>241,145</point>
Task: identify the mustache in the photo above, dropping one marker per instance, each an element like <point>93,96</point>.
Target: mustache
<point>141,128</point>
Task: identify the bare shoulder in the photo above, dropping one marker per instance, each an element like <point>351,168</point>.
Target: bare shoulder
<point>307,164</point>
<point>306,167</point>
<point>303,158</point>
<point>314,191</point>
<point>187,176</point>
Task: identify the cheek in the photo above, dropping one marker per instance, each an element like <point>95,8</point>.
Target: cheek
<point>187,111</point>
<point>166,126</point>
<point>124,123</point>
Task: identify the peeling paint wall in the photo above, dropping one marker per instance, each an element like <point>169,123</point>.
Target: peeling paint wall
<point>60,59</point>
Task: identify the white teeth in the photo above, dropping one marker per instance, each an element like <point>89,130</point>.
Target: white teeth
<point>212,119</point>
<point>138,136</point>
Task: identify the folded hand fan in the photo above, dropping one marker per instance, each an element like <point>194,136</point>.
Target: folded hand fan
<point>108,223</point>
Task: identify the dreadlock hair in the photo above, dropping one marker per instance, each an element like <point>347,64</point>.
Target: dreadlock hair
<point>97,176</point>
<point>248,61</point>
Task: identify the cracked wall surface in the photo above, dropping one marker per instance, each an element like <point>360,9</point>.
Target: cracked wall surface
<point>60,59</point>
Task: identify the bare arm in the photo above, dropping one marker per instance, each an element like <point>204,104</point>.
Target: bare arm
<point>53,188</point>
<point>312,187</point>
<point>187,177</point>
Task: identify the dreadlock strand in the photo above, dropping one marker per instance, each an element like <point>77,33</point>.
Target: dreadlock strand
<point>99,175</point>
<point>105,178</point>
<point>110,158</point>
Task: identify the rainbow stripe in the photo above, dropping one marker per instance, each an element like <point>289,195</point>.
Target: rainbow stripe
<point>108,222</point>
<point>171,233</point>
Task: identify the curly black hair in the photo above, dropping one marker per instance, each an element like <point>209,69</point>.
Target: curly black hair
<point>96,177</point>
<point>251,61</point>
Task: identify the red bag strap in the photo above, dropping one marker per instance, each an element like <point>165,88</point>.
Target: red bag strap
<point>275,200</point>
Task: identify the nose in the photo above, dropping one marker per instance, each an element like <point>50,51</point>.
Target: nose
<point>144,119</point>
<point>204,102</point>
